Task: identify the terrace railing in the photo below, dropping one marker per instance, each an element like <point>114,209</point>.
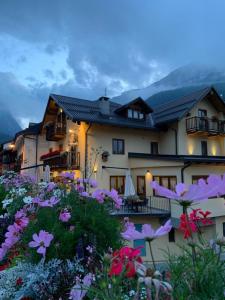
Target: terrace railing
<point>205,125</point>
<point>153,205</point>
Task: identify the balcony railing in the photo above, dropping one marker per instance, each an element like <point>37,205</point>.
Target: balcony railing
<point>156,206</point>
<point>56,131</point>
<point>204,125</point>
<point>66,161</point>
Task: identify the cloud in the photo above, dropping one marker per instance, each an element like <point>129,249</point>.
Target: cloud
<point>81,47</point>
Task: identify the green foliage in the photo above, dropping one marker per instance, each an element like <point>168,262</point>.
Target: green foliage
<point>2,197</point>
<point>202,278</point>
<point>92,226</point>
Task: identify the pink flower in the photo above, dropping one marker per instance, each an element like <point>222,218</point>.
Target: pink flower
<point>41,241</point>
<point>49,203</point>
<point>84,194</point>
<point>113,194</point>
<point>68,175</point>
<point>79,291</point>
<point>147,233</point>
<point>214,186</point>
<point>50,186</point>
<point>21,220</point>
<point>64,215</point>
<point>99,195</point>
<point>93,183</point>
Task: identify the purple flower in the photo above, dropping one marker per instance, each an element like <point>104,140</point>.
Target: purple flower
<point>113,194</point>
<point>99,195</point>
<point>64,215</point>
<point>51,186</point>
<point>147,233</point>
<point>79,291</point>
<point>49,203</point>
<point>41,241</point>
<point>186,195</point>
<point>68,175</point>
<point>84,194</point>
<point>93,183</point>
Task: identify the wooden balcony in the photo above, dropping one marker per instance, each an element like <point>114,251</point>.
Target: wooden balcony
<point>63,161</point>
<point>56,132</point>
<point>205,126</point>
<point>153,205</point>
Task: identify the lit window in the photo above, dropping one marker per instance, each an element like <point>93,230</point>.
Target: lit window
<point>130,113</point>
<point>135,114</point>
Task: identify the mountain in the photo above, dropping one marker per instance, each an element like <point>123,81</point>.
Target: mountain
<point>178,83</point>
<point>8,126</point>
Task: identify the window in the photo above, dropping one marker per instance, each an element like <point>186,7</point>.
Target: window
<point>202,113</point>
<point>166,181</point>
<point>117,183</point>
<point>204,148</point>
<point>118,146</point>
<point>138,243</point>
<point>171,235</point>
<point>154,148</point>
<point>135,114</point>
<point>195,178</point>
<point>141,186</point>
<point>223,228</point>
<point>130,113</point>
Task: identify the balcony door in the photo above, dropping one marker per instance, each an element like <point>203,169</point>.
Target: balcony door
<point>203,122</point>
<point>168,182</point>
<point>141,186</point>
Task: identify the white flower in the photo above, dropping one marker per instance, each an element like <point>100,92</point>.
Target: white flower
<point>27,200</point>
<point>6,202</point>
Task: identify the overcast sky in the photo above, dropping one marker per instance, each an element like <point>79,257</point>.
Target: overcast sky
<point>79,47</point>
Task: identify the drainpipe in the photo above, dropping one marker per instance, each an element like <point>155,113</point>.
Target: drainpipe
<point>86,150</point>
<point>176,144</point>
<point>182,170</point>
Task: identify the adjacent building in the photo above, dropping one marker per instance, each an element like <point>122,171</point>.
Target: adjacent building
<point>182,140</point>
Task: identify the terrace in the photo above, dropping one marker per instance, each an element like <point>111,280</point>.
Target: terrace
<point>152,205</point>
<point>205,126</point>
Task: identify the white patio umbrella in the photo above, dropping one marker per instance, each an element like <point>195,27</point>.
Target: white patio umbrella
<point>47,174</point>
<point>129,187</point>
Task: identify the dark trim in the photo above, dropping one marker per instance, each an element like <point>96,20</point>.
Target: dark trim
<point>180,158</point>
<point>32,167</point>
<point>86,150</point>
<point>105,167</point>
<point>176,143</point>
<point>182,170</point>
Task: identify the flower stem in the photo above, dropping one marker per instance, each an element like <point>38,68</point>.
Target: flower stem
<point>151,252</point>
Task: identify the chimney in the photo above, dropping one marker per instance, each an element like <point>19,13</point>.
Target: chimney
<point>104,105</point>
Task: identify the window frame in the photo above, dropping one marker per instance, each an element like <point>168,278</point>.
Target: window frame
<point>116,177</point>
<point>154,143</point>
<point>116,151</point>
<point>195,178</point>
<point>142,177</point>
<point>203,151</point>
<point>161,179</point>
<point>204,111</point>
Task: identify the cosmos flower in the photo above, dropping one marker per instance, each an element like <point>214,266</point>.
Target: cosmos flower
<point>64,215</point>
<point>147,232</point>
<point>41,241</point>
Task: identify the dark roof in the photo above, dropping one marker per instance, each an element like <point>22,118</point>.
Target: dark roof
<point>33,129</point>
<point>180,158</point>
<point>177,109</point>
<point>89,111</point>
<point>138,100</point>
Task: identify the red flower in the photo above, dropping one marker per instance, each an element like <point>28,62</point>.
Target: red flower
<point>125,259</point>
<point>190,224</point>
<point>19,281</point>
<point>4,267</point>
<point>187,226</point>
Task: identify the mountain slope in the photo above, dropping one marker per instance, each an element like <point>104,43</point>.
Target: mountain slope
<point>179,82</point>
<point>8,126</point>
